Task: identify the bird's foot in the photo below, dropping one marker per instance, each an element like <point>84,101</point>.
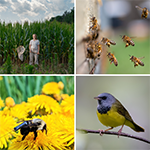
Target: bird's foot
<point>119,132</point>
<point>100,132</point>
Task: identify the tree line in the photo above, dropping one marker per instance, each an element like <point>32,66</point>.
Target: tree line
<point>68,17</point>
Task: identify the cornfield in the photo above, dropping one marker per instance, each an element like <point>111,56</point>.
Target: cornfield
<point>56,45</point>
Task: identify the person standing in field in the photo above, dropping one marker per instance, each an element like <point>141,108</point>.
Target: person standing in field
<point>34,48</point>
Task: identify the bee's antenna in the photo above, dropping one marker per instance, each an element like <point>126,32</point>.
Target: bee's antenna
<point>130,55</point>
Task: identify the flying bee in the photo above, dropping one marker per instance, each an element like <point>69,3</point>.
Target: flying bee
<point>31,126</point>
<point>144,10</point>
<point>107,41</point>
<point>127,40</point>
<point>136,61</point>
<point>112,58</point>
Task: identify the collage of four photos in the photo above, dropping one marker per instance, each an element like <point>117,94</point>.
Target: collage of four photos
<point>74,75</point>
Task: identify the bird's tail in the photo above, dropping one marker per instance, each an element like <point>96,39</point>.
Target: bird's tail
<point>134,126</point>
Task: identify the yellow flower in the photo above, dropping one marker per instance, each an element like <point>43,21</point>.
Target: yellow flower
<point>1,78</point>
<point>64,96</point>
<point>6,111</point>
<point>45,103</point>
<point>65,128</point>
<point>68,105</point>
<point>20,111</point>
<point>60,85</point>
<point>7,123</point>
<point>9,102</point>
<point>1,103</point>
<point>51,88</point>
<point>57,97</point>
<point>52,140</point>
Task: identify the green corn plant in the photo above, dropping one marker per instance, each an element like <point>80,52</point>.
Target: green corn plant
<point>54,37</point>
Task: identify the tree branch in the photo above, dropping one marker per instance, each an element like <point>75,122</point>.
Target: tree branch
<point>114,133</point>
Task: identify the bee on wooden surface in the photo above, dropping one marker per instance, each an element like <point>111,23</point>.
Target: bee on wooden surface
<point>93,20</point>
<point>112,58</point>
<point>127,40</point>
<point>136,61</point>
<point>144,10</point>
<point>93,35</point>
<point>108,42</point>
<point>94,50</point>
<point>95,25</point>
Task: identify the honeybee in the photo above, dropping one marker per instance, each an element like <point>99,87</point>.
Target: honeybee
<point>107,41</point>
<point>98,47</point>
<point>93,35</point>
<point>94,50</point>
<point>93,20</point>
<point>136,61</point>
<point>144,10</point>
<point>127,40</point>
<point>112,58</point>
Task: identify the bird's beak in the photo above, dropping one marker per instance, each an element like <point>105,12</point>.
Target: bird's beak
<point>96,98</point>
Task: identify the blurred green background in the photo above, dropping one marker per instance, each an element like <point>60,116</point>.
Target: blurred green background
<point>125,66</point>
<point>22,87</point>
<point>131,91</point>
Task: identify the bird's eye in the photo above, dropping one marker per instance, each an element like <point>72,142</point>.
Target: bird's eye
<point>104,97</point>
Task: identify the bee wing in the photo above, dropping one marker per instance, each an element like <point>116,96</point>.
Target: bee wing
<point>34,124</point>
<point>141,57</point>
<point>133,37</point>
<point>112,42</point>
<point>138,7</point>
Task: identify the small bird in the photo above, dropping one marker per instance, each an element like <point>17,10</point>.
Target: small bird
<point>112,113</point>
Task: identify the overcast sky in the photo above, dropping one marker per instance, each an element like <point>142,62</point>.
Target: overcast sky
<point>32,10</point>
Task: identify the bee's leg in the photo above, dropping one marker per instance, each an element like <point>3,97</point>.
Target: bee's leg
<point>35,135</point>
<point>25,135</point>
<point>44,128</point>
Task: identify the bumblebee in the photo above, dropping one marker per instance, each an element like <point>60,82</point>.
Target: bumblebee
<point>136,61</point>
<point>144,10</point>
<point>107,41</point>
<point>31,126</point>
<point>127,40</point>
<point>112,58</point>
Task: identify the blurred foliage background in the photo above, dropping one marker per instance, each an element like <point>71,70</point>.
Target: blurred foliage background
<point>125,65</point>
<point>22,87</point>
<point>131,91</point>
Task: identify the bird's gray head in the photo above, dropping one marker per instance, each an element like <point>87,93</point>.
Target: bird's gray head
<point>105,101</point>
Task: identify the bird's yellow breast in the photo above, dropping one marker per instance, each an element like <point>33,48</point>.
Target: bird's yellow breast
<point>112,118</point>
